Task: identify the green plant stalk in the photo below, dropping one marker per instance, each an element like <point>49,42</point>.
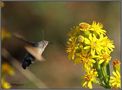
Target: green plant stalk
<point>98,68</point>
<point>102,75</point>
<point>102,69</point>
<point>106,75</point>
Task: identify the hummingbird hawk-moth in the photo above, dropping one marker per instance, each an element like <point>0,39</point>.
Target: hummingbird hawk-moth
<point>34,51</point>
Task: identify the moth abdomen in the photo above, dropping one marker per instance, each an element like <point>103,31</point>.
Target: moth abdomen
<point>27,61</point>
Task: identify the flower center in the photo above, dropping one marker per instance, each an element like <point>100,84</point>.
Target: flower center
<point>93,45</point>
<point>87,77</point>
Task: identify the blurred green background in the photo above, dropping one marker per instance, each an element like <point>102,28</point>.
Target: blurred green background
<point>52,21</point>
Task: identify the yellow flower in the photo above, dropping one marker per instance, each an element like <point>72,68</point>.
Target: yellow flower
<point>5,84</point>
<point>93,44</point>
<point>71,48</point>
<point>106,43</point>
<point>98,28</point>
<point>115,80</point>
<point>6,68</point>
<point>104,58</point>
<point>85,58</point>
<point>84,26</point>
<point>89,78</point>
<point>5,34</point>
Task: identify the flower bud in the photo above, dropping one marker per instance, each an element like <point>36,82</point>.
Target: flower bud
<point>84,26</point>
<point>116,65</point>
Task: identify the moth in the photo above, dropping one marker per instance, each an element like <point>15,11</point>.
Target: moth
<point>34,51</point>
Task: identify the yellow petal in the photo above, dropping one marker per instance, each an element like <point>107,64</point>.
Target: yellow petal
<point>94,37</point>
<point>84,84</point>
<point>90,37</point>
<point>92,52</point>
<point>114,83</point>
<point>93,61</point>
<point>118,74</point>
<point>87,47</point>
<point>114,73</point>
<point>87,41</point>
<point>101,61</point>
<point>112,77</point>
<point>5,84</point>
<point>90,85</point>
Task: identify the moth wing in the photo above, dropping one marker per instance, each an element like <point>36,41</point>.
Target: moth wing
<point>36,52</point>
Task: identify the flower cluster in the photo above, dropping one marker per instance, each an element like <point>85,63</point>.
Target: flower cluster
<point>6,70</point>
<point>89,45</point>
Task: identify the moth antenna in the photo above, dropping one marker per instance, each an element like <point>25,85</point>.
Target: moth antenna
<point>42,34</point>
<point>21,38</point>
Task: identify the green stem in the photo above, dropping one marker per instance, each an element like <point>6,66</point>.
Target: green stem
<point>106,74</point>
<point>98,68</point>
<point>103,74</point>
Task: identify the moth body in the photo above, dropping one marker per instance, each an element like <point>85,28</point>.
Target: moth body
<point>34,50</point>
<point>27,61</point>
